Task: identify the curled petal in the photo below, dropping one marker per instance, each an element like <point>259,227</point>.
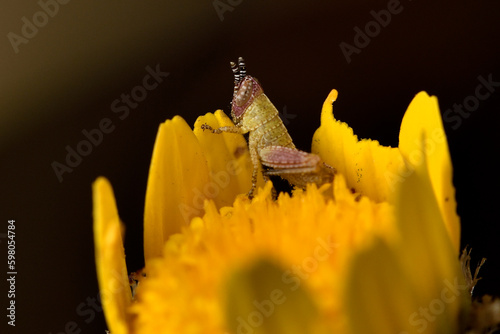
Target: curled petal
<point>368,167</point>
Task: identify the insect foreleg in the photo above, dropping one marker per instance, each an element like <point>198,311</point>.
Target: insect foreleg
<point>254,156</point>
<point>231,129</point>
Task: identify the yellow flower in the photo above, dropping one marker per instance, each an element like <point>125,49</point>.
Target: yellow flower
<point>376,251</point>
<point>188,167</point>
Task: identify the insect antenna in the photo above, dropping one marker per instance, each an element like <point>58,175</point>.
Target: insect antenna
<point>236,73</point>
<point>243,69</point>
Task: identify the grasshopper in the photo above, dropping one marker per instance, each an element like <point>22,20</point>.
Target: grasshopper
<point>269,143</point>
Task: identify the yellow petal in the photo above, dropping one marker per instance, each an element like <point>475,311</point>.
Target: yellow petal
<point>110,258</point>
<point>423,115</point>
<point>376,171</point>
<point>228,160</point>
<point>413,283</point>
<point>424,237</point>
<point>367,166</point>
<point>175,191</point>
<point>258,301</point>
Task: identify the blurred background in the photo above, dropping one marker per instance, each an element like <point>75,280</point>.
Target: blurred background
<point>67,68</point>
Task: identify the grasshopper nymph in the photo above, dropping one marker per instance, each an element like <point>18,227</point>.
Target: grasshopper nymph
<point>268,140</point>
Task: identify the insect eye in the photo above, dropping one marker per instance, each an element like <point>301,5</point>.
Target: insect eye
<point>244,92</point>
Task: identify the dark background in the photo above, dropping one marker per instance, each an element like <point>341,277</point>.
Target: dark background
<point>64,80</point>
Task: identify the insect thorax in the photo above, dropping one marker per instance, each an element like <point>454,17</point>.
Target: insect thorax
<point>262,120</point>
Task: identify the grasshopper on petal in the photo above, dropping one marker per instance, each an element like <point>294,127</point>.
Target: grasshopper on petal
<point>269,143</point>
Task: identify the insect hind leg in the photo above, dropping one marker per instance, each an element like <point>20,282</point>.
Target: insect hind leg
<point>288,160</point>
<point>298,167</point>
